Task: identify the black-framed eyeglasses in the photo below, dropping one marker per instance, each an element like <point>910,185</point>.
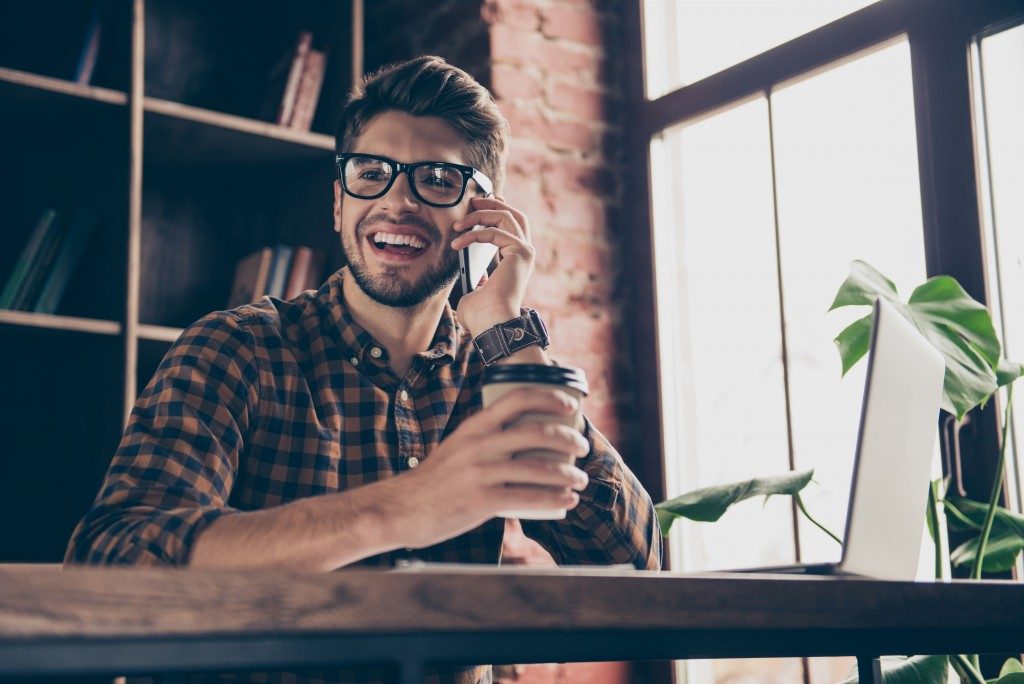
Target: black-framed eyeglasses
<point>439,184</point>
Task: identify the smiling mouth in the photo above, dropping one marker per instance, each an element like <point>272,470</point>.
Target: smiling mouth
<point>404,248</point>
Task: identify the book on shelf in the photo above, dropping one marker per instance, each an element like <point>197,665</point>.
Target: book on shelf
<point>306,269</point>
<point>309,90</point>
<point>66,261</point>
<point>91,47</point>
<point>48,262</point>
<point>36,241</point>
<point>40,266</point>
<point>284,80</point>
<point>250,281</point>
<point>281,271</point>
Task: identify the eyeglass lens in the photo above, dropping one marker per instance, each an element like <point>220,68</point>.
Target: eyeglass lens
<point>367,177</point>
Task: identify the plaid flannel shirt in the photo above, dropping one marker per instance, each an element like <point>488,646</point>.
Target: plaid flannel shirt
<point>274,401</point>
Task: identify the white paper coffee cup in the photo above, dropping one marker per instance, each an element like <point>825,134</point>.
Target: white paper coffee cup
<point>500,380</point>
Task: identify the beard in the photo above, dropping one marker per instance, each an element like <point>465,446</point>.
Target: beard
<point>390,287</point>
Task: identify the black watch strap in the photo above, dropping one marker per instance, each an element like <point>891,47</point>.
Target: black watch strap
<point>505,339</point>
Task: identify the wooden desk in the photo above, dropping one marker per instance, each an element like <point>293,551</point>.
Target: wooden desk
<point>133,620</point>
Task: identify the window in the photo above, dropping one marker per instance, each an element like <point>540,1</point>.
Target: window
<point>825,167</point>
<point>999,100</point>
<point>688,40</point>
<point>775,156</point>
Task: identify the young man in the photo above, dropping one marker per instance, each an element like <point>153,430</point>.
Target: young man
<point>346,426</point>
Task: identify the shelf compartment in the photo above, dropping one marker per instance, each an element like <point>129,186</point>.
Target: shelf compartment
<point>199,221</point>
<point>221,56</point>
<point>48,37</point>
<point>61,421</point>
<point>67,152</point>
<point>71,323</point>
<point>182,135</point>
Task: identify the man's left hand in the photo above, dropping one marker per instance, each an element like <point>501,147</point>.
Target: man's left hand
<point>499,299</point>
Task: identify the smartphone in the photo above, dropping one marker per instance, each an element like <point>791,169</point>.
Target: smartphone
<point>475,259</point>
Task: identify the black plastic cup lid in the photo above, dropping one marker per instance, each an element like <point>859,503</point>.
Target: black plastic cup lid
<point>565,376</point>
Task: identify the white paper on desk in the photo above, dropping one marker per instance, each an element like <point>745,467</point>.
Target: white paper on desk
<point>418,566</point>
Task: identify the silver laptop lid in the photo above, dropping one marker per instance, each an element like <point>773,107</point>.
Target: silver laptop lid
<point>898,427</point>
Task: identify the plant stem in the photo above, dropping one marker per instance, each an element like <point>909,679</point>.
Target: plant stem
<point>965,665</point>
<point>997,485</point>
<point>960,516</point>
<point>803,509</point>
<point>933,515</point>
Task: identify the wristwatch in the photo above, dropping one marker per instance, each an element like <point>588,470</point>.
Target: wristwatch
<point>505,339</point>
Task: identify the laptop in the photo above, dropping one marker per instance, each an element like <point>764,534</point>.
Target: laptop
<point>892,467</point>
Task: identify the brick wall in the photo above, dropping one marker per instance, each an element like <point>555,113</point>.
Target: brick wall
<point>554,67</point>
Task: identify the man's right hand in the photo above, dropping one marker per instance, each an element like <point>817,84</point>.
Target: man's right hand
<point>471,475</point>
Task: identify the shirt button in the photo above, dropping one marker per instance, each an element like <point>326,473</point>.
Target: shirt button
<point>410,548</point>
<point>355,361</point>
<point>413,461</point>
<point>404,395</point>
<point>375,352</point>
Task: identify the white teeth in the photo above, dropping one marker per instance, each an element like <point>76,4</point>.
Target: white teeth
<point>392,239</point>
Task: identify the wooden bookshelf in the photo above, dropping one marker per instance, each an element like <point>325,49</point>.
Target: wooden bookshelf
<point>159,333</point>
<point>38,320</point>
<point>35,89</point>
<point>170,146</point>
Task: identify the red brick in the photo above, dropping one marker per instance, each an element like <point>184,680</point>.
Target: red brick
<point>515,46</point>
<point>565,174</point>
<point>560,56</point>
<point>582,102</point>
<point>579,214</point>
<point>546,291</point>
<point>570,136</point>
<point>592,258</point>
<point>578,24</point>
<point>518,14</point>
<point>526,160</point>
<point>527,197</point>
<point>510,82</point>
<point>525,118</point>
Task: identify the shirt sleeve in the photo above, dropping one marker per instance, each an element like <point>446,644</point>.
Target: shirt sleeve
<point>174,469</point>
<point>614,522</point>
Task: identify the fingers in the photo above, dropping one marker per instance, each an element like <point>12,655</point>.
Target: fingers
<point>537,471</point>
<point>508,245</point>
<point>513,405</point>
<point>491,211</point>
<point>537,436</point>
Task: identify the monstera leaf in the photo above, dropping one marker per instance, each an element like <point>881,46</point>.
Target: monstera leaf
<point>708,504</point>
<point>1005,542</point>
<point>956,324</point>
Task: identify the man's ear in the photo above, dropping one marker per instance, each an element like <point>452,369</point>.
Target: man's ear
<point>337,205</point>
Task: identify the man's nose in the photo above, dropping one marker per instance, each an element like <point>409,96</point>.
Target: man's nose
<point>400,195</point>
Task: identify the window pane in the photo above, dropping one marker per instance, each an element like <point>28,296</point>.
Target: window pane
<point>846,164</point>
<point>1002,147</point>
<point>721,334</point>
<point>720,338</point>
<point>687,40</point>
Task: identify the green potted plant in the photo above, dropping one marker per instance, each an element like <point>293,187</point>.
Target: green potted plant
<point>961,329</point>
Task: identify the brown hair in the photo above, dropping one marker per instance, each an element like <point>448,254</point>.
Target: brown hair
<point>429,86</point>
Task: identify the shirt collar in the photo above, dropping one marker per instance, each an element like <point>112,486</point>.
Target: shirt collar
<point>356,343</point>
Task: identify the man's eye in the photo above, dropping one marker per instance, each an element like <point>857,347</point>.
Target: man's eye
<point>439,182</point>
<point>370,174</point>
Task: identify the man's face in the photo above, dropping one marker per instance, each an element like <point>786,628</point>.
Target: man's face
<point>402,277</point>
